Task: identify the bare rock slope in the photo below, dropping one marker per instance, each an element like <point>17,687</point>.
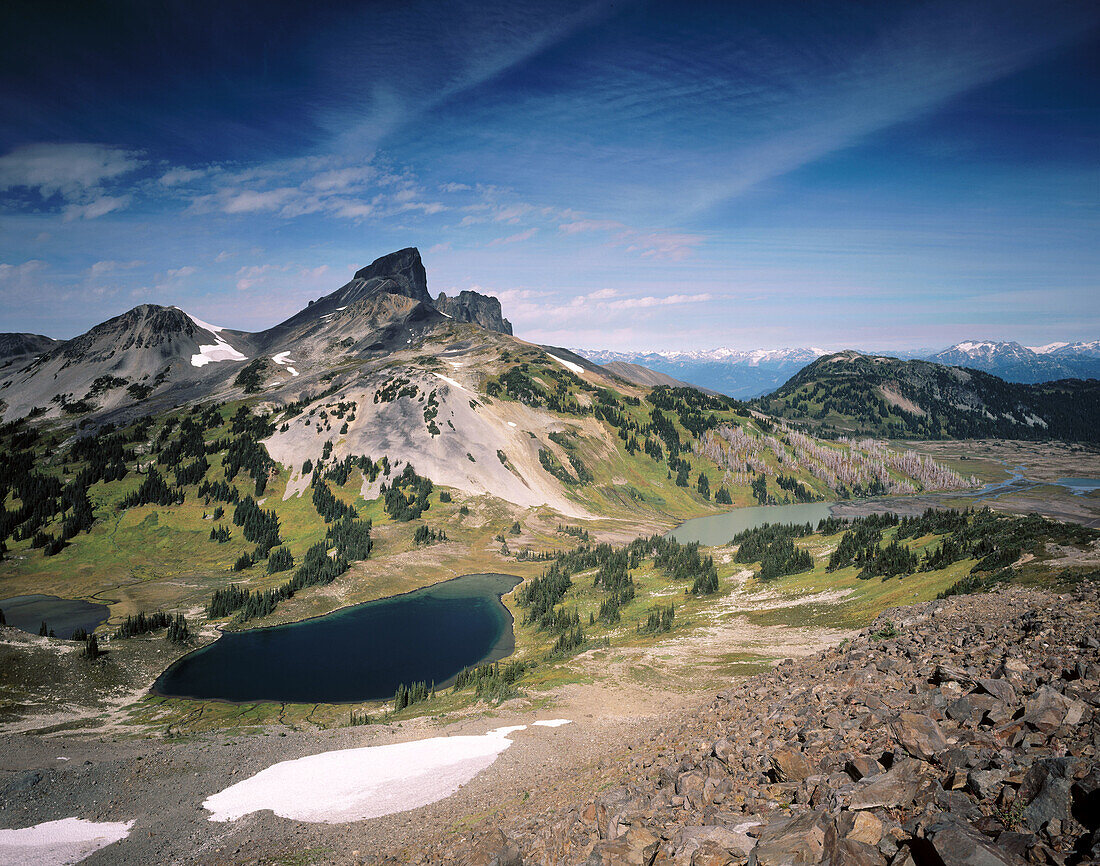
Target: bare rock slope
<point>955,732</point>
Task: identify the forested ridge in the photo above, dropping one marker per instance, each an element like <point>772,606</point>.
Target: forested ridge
<point>851,393</point>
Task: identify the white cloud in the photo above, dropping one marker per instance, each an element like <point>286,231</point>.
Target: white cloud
<point>175,176</point>
<point>17,273</point>
<point>247,201</point>
<point>454,187</point>
<point>343,179</point>
<point>103,268</point>
<point>253,275</point>
<point>97,207</point>
<point>69,170</point>
<point>185,271</point>
<point>514,239</point>
<point>660,245</point>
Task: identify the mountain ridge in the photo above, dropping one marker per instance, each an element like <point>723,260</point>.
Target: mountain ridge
<point>878,395</point>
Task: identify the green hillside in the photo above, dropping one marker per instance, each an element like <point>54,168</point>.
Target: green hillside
<point>849,393</point>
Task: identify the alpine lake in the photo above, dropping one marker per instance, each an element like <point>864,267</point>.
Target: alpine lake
<point>357,653</point>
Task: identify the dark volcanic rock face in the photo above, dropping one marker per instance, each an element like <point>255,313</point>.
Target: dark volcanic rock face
<point>402,273</point>
<point>477,308</point>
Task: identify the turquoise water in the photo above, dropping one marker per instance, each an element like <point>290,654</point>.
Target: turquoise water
<point>63,615</point>
<point>359,653</point>
<point>1080,486</point>
<point>718,529</point>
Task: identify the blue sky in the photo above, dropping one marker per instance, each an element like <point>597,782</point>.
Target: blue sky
<point>622,175</point>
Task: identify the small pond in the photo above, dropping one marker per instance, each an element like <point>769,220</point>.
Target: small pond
<point>63,615</point>
<point>1080,486</point>
<point>718,529</point>
<point>358,653</point>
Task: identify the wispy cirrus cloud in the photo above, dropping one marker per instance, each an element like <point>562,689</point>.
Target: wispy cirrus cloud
<point>518,237</point>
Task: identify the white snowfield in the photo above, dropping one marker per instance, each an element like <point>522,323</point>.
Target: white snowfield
<point>59,843</point>
<point>355,784</point>
<point>452,382</point>
<point>283,359</point>
<point>569,365</point>
<point>218,351</point>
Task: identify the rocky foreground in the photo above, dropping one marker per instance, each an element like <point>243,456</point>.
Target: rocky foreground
<point>958,733</point>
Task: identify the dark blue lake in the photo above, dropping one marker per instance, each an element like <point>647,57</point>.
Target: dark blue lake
<point>356,654</point>
<point>63,615</point>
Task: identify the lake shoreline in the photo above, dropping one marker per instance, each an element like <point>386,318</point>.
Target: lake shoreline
<point>502,647</point>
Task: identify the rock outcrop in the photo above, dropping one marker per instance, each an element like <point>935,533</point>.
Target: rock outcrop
<point>475,307</point>
<point>967,736</point>
<point>402,273</point>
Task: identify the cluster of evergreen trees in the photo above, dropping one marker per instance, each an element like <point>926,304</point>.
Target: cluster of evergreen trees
<point>659,620</point>
<point>42,497</point>
<point>248,453</point>
<point>426,535</point>
<point>682,562</point>
<point>801,492</point>
<point>328,506</point>
<point>614,577</point>
<point>552,465</point>
<point>583,476</point>
<point>412,694</point>
<point>154,490</point>
<point>220,534</point>
<point>260,526</point>
<point>858,544</point>
<point>406,497</point>
<point>493,681</point>
<point>143,623</point>
<point>773,547</point>
<point>279,559</point>
<point>219,491</point>
<point>351,538</point>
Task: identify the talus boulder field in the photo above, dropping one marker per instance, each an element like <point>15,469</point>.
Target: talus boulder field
<point>967,735</point>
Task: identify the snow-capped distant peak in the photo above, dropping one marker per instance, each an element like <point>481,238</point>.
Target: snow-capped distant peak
<point>1048,348</point>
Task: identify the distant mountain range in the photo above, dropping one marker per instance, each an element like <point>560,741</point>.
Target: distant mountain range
<point>740,374</point>
<point>752,373</point>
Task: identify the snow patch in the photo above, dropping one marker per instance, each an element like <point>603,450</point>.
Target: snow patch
<point>569,365</point>
<point>283,359</point>
<point>220,350</point>
<point>355,784</point>
<point>511,423</point>
<point>69,840</point>
<point>451,382</point>
<point>553,723</point>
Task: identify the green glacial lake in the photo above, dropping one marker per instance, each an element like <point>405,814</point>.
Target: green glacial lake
<point>718,529</point>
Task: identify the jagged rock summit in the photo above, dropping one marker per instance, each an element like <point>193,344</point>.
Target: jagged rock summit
<point>154,350</point>
<point>475,307</point>
<point>400,273</point>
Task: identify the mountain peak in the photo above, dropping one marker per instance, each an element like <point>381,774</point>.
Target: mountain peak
<point>400,273</point>
<point>471,306</point>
